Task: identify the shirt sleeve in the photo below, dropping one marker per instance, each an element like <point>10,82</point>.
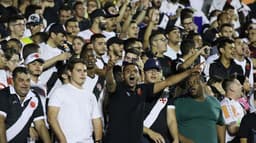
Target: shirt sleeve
<point>38,113</point>
<point>170,104</point>
<point>3,105</point>
<point>221,120</point>
<point>55,98</point>
<point>95,108</point>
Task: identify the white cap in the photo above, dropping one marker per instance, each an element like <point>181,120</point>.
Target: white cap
<point>33,57</point>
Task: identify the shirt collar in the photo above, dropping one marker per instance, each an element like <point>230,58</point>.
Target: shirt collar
<point>28,96</point>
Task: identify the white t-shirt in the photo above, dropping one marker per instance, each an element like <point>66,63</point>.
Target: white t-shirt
<point>3,79</point>
<point>86,34</point>
<point>108,35</point>
<point>77,109</point>
<point>169,8</point>
<point>171,53</point>
<point>232,112</point>
<point>89,86</point>
<point>47,53</point>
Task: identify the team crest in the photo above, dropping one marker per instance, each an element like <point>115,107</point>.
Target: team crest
<point>32,104</point>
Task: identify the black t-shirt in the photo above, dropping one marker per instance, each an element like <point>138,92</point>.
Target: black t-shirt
<point>247,125</point>
<point>11,106</point>
<point>218,70</point>
<point>126,110</point>
<point>160,124</point>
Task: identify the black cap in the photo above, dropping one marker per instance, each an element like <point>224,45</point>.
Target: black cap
<point>114,40</point>
<point>106,7</point>
<point>152,63</point>
<point>97,13</point>
<point>57,28</point>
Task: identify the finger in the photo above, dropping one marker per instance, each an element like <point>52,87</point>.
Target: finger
<point>198,65</point>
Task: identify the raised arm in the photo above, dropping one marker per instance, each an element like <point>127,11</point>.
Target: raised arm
<point>50,62</point>
<point>174,79</point>
<point>188,62</point>
<point>110,79</point>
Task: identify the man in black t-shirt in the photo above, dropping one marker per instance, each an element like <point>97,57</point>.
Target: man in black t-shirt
<point>19,107</point>
<point>159,116</point>
<point>127,100</point>
<point>225,67</point>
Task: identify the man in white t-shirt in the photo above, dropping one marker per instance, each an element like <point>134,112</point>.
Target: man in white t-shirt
<point>232,110</point>
<point>51,53</point>
<point>72,111</point>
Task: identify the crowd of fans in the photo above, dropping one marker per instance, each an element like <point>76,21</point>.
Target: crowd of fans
<point>127,71</point>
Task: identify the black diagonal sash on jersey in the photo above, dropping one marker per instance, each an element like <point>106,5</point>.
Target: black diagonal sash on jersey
<point>160,104</point>
<point>17,127</point>
<point>52,80</point>
<point>98,87</point>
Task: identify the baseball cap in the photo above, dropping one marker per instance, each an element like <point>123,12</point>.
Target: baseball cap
<point>57,28</point>
<point>114,40</point>
<point>34,19</point>
<point>109,14</point>
<point>33,57</point>
<point>97,13</point>
<point>152,64</point>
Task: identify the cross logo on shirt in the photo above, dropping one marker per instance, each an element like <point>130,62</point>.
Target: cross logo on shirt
<point>163,100</point>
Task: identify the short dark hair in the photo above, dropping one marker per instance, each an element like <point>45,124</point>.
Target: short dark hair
<point>30,48</point>
<point>76,4</point>
<point>16,41</point>
<point>186,46</point>
<point>192,34</point>
<point>227,82</point>
<point>19,70</point>
<point>128,43</point>
<point>9,52</point>
<point>224,13</point>
<point>222,41</point>
<point>64,8</point>
<point>70,20</point>
<point>84,51</point>
<point>226,25</point>
<point>126,64</point>
<point>96,36</point>
<point>14,18</point>
<point>72,62</point>
<point>155,33</point>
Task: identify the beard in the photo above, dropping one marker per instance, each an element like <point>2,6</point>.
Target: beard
<point>102,25</point>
